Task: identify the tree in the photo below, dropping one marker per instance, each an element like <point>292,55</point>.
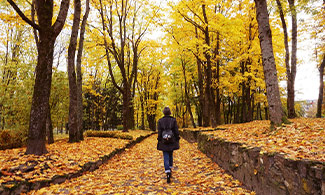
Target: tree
<point>270,72</point>
<point>79,72</point>
<point>74,71</point>
<point>150,83</point>
<point>321,88</point>
<point>123,28</point>
<point>45,40</point>
<point>209,116</point>
<point>291,71</point>
<point>74,133</point>
<point>318,34</point>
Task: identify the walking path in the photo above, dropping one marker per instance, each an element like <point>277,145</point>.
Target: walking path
<point>140,170</point>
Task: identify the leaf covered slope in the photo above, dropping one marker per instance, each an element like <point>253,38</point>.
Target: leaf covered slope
<point>302,139</point>
<point>63,158</point>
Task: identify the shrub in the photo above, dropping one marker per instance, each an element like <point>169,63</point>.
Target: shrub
<point>119,127</point>
<point>5,136</point>
<point>12,139</point>
<point>111,134</point>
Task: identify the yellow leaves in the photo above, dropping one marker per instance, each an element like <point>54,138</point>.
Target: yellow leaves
<point>63,158</point>
<point>139,170</point>
<point>303,139</point>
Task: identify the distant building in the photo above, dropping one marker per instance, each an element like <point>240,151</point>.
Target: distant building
<point>310,103</point>
<point>309,107</point>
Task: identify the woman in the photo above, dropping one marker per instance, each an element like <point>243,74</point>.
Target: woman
<point>166,124</point>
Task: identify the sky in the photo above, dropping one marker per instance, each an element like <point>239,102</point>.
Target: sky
<point>307,78</point>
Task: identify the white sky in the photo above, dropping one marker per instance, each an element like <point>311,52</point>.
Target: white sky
<point>307,78</point>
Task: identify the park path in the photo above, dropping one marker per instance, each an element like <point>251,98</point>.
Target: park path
<point>139,170</point>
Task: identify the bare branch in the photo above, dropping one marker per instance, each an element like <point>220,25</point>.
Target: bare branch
<point>22,15</point>
<point>106,48</point>
<point>33,20</point>
<point>191,21</point>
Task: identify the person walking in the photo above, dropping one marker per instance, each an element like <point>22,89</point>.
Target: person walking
<point>168,140</point>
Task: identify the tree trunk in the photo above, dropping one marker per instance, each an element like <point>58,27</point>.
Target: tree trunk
<point>126,104</point>
<point>229,113</point>
<point>248,98</point>
<point>73,90</point>
<point>142,113</point>
<point>79,73</point>
<point>218,98</point>
<point>251,107</point>
<point>151,118</point>
<point>321,89</point>
<point>41,95</point>
<point>204,115</point>
<point>266,113</point>
<point>270,72</point>
<point>202,108</point>
<point>187,98</point>
<point>49,128</point>
<point>237,114</point>
<point>243,102</point>
<point>224,110</point>
<point>260,111</point>
<point>291,79</point>
<point>208,85</point>
<point>287,57</point>
<point>257,111</point>
<point>131,114</point>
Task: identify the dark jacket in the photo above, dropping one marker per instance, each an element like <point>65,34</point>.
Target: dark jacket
<point>164,123</point>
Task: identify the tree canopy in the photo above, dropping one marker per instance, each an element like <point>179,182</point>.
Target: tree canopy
<point>202,58</point>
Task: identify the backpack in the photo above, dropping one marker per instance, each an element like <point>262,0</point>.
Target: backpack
<point>168,136</point>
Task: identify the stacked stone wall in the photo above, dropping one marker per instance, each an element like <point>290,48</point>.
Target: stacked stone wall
<point>264,173</point>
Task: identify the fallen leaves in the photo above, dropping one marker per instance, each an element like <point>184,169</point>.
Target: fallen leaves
<point>62,158</point>
<point>140,170</point>
<point>303,139</point>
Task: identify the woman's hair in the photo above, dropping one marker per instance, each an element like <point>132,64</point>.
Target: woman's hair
<point>166,111</point>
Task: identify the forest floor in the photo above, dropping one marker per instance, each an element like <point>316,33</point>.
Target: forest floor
<point>139,170</point>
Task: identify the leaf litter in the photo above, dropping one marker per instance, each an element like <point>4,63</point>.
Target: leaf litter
<point>304,138</point>
<point>62,158</point>
<point>139,170</point>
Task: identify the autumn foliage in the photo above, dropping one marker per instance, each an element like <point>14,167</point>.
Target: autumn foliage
<point>206,66</point>
<point>302,139</point>
<point>140,171</point>
<point>63,158</point>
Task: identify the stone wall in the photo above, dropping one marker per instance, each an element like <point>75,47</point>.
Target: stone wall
<point>264,173</point>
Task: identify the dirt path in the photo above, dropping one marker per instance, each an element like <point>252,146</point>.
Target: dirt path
<point>139,170</point>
